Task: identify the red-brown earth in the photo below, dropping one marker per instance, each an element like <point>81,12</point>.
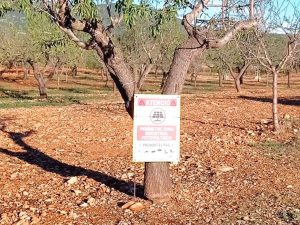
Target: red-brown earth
<point>72,164</point>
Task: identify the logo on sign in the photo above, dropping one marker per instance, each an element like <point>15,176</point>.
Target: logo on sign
<point>157,115</point>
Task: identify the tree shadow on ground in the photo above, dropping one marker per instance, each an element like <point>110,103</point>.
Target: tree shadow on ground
<point>283,101</point>
<point>36,157</point>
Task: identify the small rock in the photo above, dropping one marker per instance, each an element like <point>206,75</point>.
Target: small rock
<point>77,192</point>
<point>250,132</point>
<point>63,212</point>
<point>84,204</point>
<point>91,201</point>
<point>265,121</point>
<point>136,207</point>
<point>246,218</point>
<point>123,223</point>
<point>73,215</point>
<point>224,168</point>
<point>290,186</point>
<point>14,175</point>
<point>23,215</point>
<point>124,176</point>
<point>48,201</point>
<point>25,193</point>
<point>130,175</point>
<point>127,205</point>
<point>72,180</point>
<point>128,212</point>
<point>287,116</point>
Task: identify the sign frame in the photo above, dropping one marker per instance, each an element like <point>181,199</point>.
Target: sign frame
<point>156,128</point>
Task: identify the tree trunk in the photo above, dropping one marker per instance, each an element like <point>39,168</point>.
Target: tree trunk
<point>26,70</point>
<point>181,61</point>
<point>42,86</point>
<point>143,75</point>
<point>119,72</point>
<point>74,71</point>
<point>289,78</point>
<point>237,78</point>
<point>163,80</point>
<point>275,100</point>
<point>156,72</point>
<point>242,79</point>
<point>158,183</point>
<point>220,78</point>
<point>237,84</point>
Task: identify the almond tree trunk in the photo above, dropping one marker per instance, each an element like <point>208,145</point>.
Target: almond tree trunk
<point>237,83</point>
<point>42,82</point>
<point>275,100</point>
<point>143,75</point>
<point>181,61</point>
<point>26,70</point>
<point>220,78</point>
<point>158,183</point>
<point>289,78</point>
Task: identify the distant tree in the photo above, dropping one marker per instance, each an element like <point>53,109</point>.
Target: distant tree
<point>38,44</point>
<point>143,51</point>
<point>278,27</point>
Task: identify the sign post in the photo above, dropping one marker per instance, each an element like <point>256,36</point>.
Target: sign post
<point>156,130</point>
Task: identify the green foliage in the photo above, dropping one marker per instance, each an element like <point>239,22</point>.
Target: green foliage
<point>85,9</point>
<point>5,6</point>
<point>138,43</point>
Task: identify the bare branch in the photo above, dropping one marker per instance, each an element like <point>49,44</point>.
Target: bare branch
<point>190,17</point>
<point>217,43</point>
<point>114,21</point>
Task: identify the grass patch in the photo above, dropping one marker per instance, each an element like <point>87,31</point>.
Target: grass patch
<point>15,94</point>
<point>279,148</point>
<point>77,90</point>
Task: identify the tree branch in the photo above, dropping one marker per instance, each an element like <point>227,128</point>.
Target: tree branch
<point>217,43</point>
<point>190,17</point>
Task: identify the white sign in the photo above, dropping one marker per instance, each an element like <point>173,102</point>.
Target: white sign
<point>156,128</point>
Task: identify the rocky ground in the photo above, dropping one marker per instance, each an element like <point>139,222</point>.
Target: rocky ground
<point>72,164</point>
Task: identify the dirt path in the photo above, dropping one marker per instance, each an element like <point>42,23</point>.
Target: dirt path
<point>226,174</point>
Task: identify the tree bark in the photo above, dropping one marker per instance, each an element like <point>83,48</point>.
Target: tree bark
<point>143,75</point>
<point>237,84</point>
<point>157,181</point>
<point>74,71</point>
<point>289,78</point>
<point>220,78</point>
<point>275,100</point>
<point>181,61</point>
<point>42,86</point>
<point>26,70</point>
<point>119,72</point>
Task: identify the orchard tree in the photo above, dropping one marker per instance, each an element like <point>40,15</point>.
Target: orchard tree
<point>75,17</point>
<point>279,20</point>
<point>34,41</point>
